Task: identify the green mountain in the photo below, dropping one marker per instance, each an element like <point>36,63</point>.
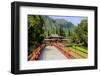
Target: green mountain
<point>57,26</point>
<point>64,23</point>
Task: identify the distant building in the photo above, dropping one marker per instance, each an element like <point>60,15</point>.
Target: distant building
<point>55,38</point>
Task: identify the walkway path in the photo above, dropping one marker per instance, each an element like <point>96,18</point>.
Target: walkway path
<point>51,53</point>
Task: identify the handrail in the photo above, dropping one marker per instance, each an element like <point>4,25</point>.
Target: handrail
<point>62,50</point>
<point>35,54</point>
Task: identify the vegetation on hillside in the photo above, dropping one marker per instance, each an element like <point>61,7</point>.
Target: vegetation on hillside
<point>80,34</point>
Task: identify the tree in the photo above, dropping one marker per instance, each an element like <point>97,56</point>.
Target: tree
<point>61,30</point>
<point>35,31</point>
<point>80,33</point>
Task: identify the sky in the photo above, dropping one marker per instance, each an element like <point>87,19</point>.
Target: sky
<point>74,19</point>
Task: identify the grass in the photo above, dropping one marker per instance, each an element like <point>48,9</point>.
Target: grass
<point>81,51</point>
<point>82,54</point>
<point>84,50</point>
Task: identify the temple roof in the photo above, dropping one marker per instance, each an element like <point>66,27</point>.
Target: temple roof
<point>55,36</point>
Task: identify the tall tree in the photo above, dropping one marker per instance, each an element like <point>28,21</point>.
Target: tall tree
<point>35,31</point>
<point>81,32</point>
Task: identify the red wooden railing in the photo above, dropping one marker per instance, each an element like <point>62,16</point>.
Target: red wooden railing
<point>36,53</point>
<point>63,51</point>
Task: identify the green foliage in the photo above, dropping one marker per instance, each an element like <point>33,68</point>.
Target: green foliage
<point>80,49</point>
<point>80,33</point>
<point>61,31</point>
<point>35,31</point>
